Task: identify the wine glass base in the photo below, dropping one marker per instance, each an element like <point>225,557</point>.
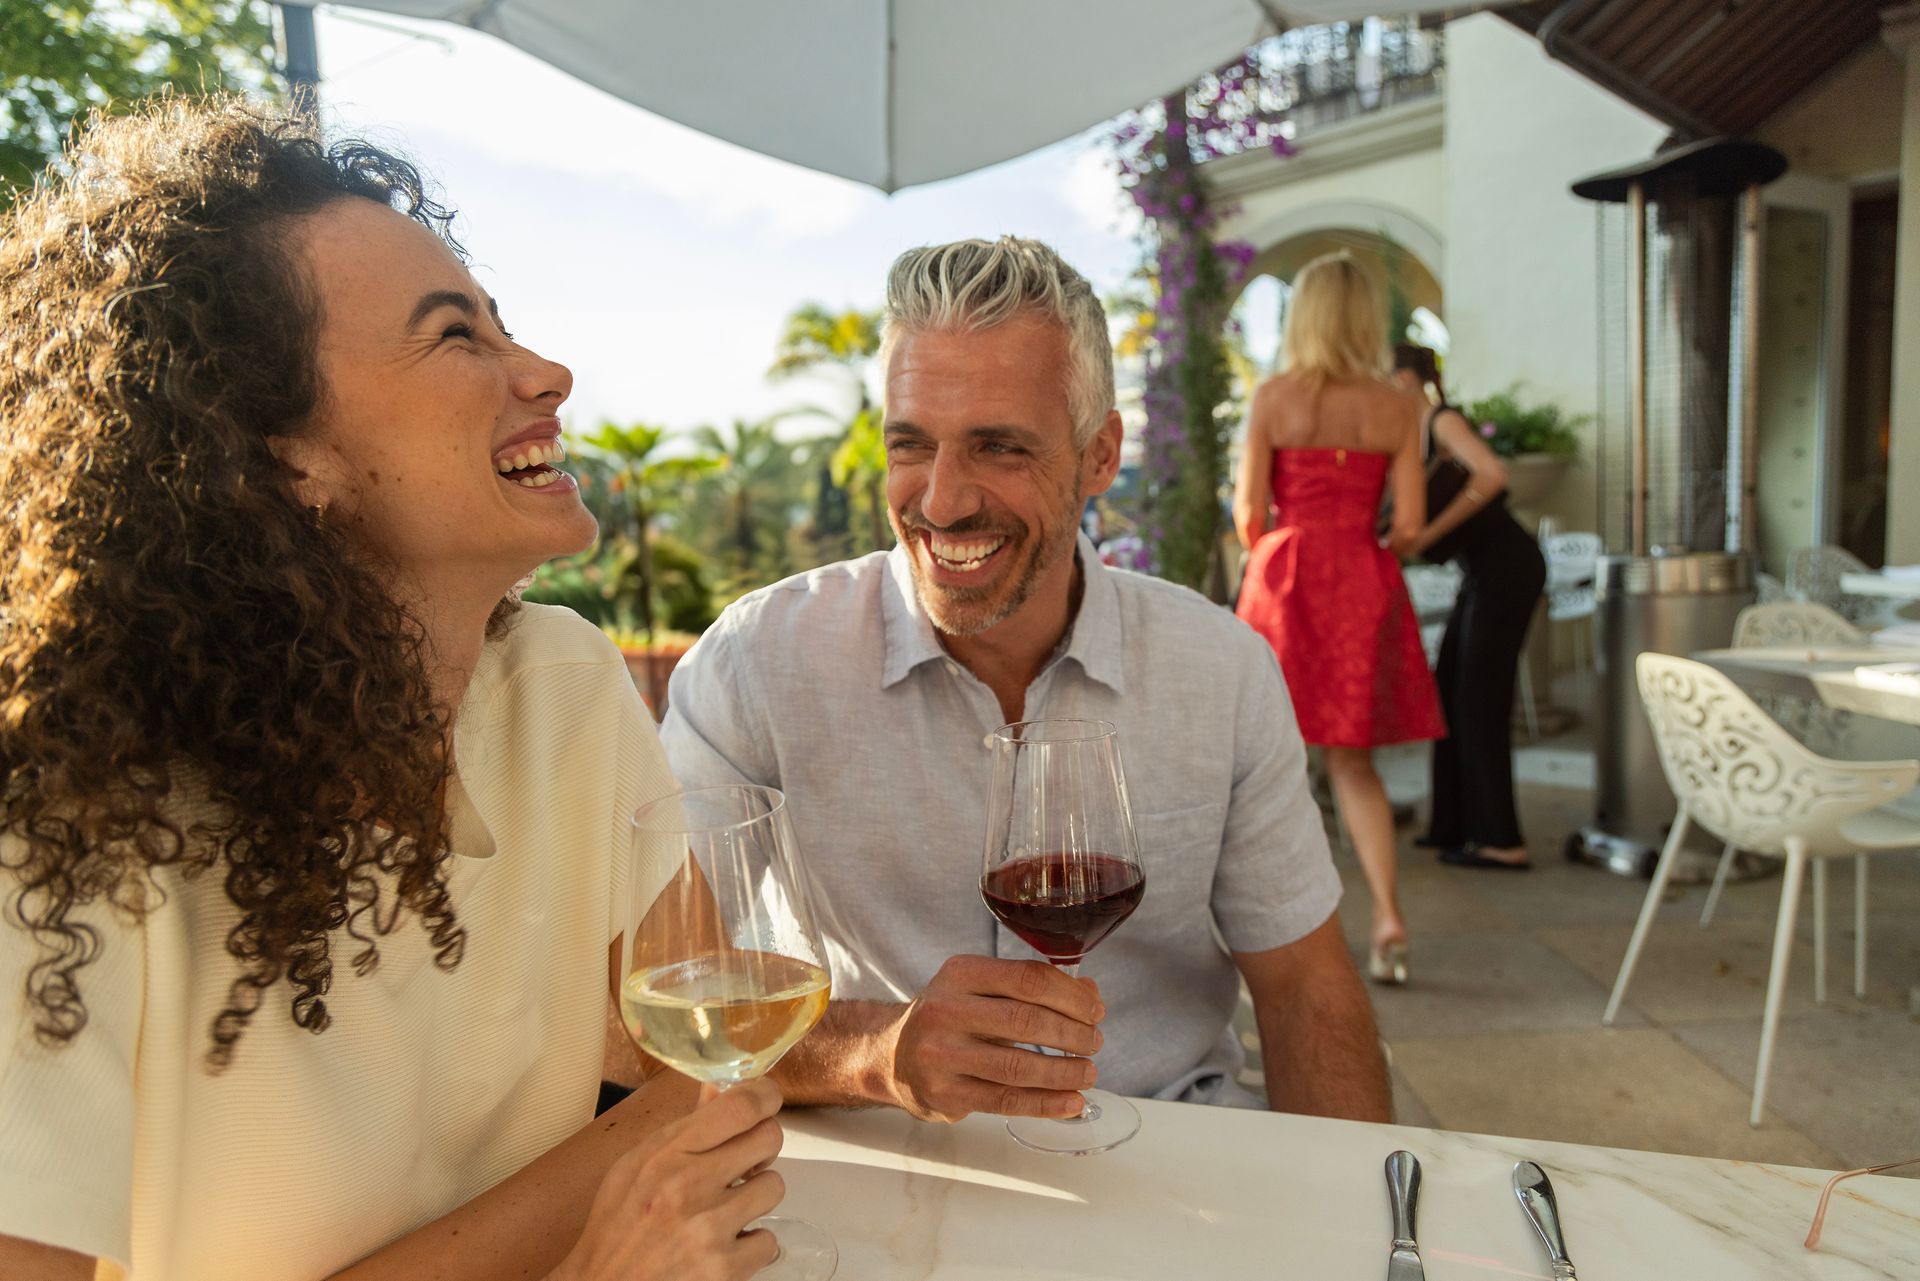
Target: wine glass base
<point>1108,1122</point>
<point>807,1253</point>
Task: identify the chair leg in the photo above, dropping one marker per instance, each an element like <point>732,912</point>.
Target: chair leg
<point>1777,971</point>
<point>1860,925</point>
<point>1719,883</point>
<point>1648,909</point>
<point>1819,931</point>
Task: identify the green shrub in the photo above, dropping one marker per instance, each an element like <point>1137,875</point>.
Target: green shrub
<point>1512,427</point>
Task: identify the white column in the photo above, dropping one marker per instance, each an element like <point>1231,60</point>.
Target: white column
<point>1902,30</point>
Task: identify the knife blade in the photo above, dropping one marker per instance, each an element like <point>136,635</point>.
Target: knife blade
<point>1535,1193</point>
<point>1403,1191</point>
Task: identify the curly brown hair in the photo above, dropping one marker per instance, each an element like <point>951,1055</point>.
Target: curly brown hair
<point>194,669</point>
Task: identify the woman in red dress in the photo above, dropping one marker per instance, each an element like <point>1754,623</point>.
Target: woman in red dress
<point>1325,437</point>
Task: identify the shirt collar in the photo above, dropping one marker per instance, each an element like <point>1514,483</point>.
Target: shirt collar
<point>910,638</point>
<point>1093,640</point>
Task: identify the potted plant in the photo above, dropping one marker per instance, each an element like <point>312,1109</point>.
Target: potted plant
<point>1538,441</point>
<point>604,586</point>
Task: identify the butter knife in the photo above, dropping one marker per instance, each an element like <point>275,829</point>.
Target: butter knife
<point>1535,1192</point>
<point>1403,1191</point>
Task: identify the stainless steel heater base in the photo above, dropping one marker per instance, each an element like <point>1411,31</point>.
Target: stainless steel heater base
<point>1624,856</point>
<point>1621,855</point>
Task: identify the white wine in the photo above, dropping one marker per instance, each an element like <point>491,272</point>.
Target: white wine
<point>726,1017</point>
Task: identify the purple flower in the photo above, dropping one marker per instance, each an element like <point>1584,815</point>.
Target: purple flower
<point>1487,430</point>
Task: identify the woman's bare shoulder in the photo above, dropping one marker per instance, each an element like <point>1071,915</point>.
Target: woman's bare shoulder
<point>1278,388</point>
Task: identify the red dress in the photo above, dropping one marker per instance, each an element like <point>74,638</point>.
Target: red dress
<point>1334,606</point>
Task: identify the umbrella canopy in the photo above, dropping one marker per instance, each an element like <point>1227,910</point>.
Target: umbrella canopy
<point>889,92</point>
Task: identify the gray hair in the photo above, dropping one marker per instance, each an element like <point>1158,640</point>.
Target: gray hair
<point>971,285</point>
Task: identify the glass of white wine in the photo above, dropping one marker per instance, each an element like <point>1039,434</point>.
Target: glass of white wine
<point>723,966</point>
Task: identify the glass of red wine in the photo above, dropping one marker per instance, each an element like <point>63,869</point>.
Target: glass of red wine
<point>1062,871</point>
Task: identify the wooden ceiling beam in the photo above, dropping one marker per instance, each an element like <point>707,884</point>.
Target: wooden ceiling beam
<point>1770,65</point>
<point>1702,66</point>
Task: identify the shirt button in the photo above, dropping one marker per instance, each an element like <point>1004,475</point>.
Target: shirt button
<point>987,742</point>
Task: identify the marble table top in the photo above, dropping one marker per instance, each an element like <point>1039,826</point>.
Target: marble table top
<point>1825,672</point>
<point>1216,1192</point>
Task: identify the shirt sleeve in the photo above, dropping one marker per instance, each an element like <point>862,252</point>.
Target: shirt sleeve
<point>67,1112</point>
<point>714,730</point>
<point>1275,883</point>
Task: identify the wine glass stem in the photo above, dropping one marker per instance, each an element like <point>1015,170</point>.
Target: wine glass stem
<point>1089,1110</point>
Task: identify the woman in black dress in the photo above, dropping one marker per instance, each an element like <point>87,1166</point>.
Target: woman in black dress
<point>1474,823</point>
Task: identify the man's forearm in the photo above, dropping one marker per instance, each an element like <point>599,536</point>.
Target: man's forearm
<point>847,1060</point>
<point>1321,1052</point>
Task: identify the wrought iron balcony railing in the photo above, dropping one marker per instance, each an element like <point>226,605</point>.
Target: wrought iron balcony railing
<point>1314,76</point>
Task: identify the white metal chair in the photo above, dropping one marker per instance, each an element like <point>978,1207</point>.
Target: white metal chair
<point>1573,559</point>
<point>1820,727</point>
<point>1433,589</point>
<point>1745,780</point>
<point>1793,622</point>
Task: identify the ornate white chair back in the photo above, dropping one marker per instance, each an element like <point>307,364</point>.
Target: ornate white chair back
<point>1792,622</point>
<point>1745,779</point>
<point>1573,560</point>
<point>1826,730</point>
<point>1433,589</point>
<point>1813,573</point>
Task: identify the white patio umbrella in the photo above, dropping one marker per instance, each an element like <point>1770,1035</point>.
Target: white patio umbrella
<point>889,92</point>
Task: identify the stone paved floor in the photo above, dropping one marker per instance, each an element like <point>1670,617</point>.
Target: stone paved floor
<point>1499,1031</point>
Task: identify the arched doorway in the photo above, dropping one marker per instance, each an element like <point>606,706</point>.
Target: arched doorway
<point>1400,250</point>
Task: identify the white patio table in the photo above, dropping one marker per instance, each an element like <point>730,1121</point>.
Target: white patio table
<point>1825,672</point>
<point>1892,586</point>
<point>1205,1193</point>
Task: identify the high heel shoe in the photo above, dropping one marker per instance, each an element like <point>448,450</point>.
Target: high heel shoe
<point>1387,963</point>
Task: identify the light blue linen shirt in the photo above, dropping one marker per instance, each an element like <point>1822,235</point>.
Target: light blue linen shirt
<point>833,687</point>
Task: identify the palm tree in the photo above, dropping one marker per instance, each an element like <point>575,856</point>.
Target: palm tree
<point>816,338</point>
<point>859,465</point>
<point>642,480</point>
<point>754,479</point>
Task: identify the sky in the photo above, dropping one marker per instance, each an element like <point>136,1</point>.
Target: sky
<point>656,262</point>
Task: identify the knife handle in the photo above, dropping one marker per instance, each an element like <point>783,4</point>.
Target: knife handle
<point>1403,1191</point>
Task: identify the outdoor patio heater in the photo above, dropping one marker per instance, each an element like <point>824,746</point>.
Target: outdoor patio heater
<point>1679,273</point>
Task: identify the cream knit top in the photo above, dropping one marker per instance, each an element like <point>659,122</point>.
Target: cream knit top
<point>311,1151</point>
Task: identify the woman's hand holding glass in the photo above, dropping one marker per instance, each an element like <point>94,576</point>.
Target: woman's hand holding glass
<point>676,1207</point>
<point>723,971</point>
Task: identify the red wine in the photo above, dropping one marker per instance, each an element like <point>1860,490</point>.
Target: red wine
<point>1062,905</point>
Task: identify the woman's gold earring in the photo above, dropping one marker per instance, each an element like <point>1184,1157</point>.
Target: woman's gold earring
<point>318,513</point>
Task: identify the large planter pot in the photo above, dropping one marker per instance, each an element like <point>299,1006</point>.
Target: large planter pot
<point>650,670</point>
<point>1532,477</point>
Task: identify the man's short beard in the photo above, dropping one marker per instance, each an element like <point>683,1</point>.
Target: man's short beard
<point>939,601</point>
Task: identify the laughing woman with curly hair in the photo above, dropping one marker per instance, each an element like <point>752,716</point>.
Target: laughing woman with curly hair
<point>310,836</point>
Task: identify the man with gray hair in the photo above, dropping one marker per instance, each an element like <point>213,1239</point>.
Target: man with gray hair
<point>864,690</point>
